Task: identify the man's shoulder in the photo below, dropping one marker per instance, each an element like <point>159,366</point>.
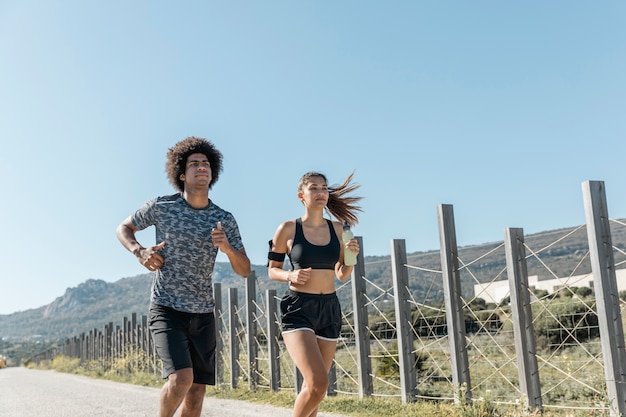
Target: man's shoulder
<point>218,209</point>
<point>168,198</point>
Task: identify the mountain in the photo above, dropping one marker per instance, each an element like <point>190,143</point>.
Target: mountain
<point>94,303</point>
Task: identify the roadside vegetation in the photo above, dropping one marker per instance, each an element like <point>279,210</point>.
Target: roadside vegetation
<point>566,328</point>
<point>125,371</point>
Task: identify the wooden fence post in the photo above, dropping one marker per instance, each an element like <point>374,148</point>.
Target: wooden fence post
<point>453,298</point>
<point>134,338</point>
<point>406,355</point>
<point>109,341</point>
<point>521,309</point>
<point>607,294</point>
<point>298,379</point>
<point>272,340</point>
<point>91,344</point>
<point>119,342</point>
<point>145,342</point>
<point>361,324</point>
<point>125,337</point>
<point>251,332</point>
<point>331,391</point>
<point>218,311</point>
<point>233,323</point>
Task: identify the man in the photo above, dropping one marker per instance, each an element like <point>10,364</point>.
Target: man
<point>190,229</point>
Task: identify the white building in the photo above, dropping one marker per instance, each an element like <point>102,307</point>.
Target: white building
<point>494,292</point>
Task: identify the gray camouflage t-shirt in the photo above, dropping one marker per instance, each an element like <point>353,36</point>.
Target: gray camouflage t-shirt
<point>184,281</point>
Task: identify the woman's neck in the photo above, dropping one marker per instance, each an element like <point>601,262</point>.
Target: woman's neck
<point>314,218</point>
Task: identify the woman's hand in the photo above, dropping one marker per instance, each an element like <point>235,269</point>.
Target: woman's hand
<point>353,246</point>
<point>299,276</point>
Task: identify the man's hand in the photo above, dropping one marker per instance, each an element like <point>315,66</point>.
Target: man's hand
<point>149,257</point>
<point>219,239</point>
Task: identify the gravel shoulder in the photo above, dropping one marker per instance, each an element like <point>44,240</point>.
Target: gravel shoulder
<point>36,393</point>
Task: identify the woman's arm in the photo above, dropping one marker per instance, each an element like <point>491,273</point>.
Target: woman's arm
<point>279,247</point>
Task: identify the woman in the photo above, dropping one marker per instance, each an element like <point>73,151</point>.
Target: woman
<point>311,315</point>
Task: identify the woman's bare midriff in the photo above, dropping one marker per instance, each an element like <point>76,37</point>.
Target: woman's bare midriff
<point>322,281</point>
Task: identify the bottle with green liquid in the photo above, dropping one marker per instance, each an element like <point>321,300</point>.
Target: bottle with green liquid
<point>349,258</point>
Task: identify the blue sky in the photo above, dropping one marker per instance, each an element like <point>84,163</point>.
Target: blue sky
<point>501,109</point>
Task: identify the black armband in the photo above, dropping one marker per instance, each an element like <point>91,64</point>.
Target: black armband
<point>275,256</point>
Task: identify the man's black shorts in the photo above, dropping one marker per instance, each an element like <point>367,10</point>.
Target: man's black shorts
<point>318,313</point>
<point>184,340</point>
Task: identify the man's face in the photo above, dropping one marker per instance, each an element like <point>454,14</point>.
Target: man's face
<point>197,171</point>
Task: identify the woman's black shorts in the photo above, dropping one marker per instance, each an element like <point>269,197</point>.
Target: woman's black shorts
<point>318,313</point>
<point>184,340</point>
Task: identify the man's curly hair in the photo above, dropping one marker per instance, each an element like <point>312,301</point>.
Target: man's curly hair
<point>177,159</point>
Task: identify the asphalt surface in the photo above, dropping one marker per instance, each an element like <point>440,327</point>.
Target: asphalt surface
<point>34,393</point>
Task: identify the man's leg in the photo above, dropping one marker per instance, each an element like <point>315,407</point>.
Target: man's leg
<point>192,403</point>
<point>178,384</point>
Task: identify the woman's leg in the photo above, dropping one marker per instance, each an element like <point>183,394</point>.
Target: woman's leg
<point>327,349</point>
<point>313,358</point>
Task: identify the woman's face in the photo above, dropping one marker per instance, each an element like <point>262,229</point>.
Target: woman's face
<point>314,192</point>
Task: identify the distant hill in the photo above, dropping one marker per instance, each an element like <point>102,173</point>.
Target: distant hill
<point>95,302</point>
<point>92,304</point>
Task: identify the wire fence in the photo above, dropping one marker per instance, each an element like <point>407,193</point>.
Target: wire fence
<point>400,340</point>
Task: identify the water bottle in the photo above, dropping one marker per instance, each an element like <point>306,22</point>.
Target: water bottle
<point>349,258</point>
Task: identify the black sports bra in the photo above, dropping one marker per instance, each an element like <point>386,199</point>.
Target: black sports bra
<point>304,254</point>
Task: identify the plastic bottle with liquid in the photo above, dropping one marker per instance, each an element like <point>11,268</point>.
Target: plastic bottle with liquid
<point>349,258</point>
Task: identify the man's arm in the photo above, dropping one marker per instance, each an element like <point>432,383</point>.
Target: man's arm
<point>238,258</point>
<point>148,257</point>
<point>240,262</point>
<point>126,235</point>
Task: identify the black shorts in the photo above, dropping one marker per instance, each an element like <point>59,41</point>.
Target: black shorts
<point>318,313</point>
<point>184,340</point>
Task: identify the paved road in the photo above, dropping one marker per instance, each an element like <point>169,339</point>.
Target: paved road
<point>34,393</point>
